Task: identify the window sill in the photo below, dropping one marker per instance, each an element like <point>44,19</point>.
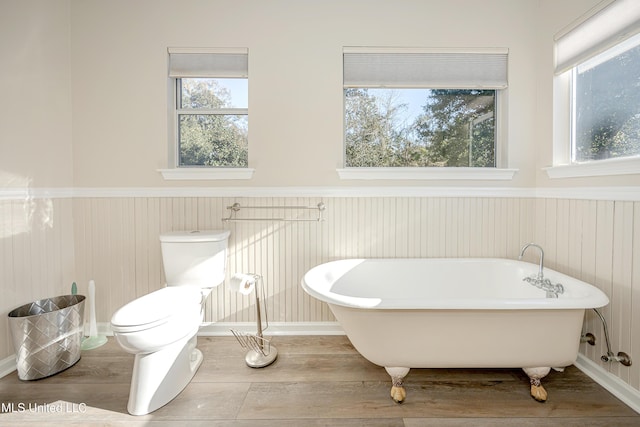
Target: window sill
<point>626,166</point>
<point>435,173</point>
<point>193,174</point>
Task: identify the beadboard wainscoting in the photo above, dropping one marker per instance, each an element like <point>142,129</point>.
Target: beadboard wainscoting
<point>113,239</point>
<point>117,242</point>
<point>599,242</point>
<point>36,256</point>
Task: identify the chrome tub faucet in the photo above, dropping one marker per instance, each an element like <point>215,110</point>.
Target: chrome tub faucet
<point>552,290</point>
<point>523,250</point>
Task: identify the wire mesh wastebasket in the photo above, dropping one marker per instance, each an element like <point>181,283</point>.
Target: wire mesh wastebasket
<point>47,335</point>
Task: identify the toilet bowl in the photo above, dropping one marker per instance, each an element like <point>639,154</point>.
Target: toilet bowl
<point>158,319</point>
<point>161,328</point>
<point>156,328</point>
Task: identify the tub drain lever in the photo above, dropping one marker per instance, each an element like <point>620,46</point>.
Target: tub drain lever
<point>621,357</point>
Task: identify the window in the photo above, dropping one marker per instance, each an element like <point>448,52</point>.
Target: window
<point>597,93</point>
<point>419,127</point>
<point>606,104</point>
<point>209,117</point>
<point>212,122</point>
<point>423,108</point>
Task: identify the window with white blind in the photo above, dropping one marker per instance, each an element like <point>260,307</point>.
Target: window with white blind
<point>209,137</point>
<point>597,93</point>
<point>407,111</point>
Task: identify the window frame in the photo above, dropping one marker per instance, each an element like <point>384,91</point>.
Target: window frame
<point>231,111</point>
<point>498,172</point>
<point>602,28</point>
<point>174,171</point>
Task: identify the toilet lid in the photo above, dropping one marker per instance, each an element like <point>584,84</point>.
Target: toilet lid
<point>156,307</point>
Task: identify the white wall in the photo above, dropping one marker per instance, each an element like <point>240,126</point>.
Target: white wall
<point>35,112</point>
<point>295,77</point>
<point>36,234</point>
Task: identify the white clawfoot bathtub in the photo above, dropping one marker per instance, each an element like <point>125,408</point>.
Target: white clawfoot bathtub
<point>454,313</point>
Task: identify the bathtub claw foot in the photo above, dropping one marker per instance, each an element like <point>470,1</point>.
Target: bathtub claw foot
<point>535,375</point>
<point>398,392</point>
<point>538,393</point>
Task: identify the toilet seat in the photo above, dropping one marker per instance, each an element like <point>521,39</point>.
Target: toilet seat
<point>156,308</point>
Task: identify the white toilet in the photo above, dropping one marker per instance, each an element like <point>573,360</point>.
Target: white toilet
<point>161,328</point>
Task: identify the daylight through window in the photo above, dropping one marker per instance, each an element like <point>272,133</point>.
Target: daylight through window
<point>422,109</point>
<point>606,104</point>
<point>212,122</point>
<point>211,111</point>
<point>596,93</point>
<point>419,127</point>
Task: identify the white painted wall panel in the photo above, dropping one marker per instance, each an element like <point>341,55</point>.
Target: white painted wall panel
<point>118,246</point>
<point>596,241</point>
<point>634,318</point>
<point>622,270</point>
<point>36,255</point>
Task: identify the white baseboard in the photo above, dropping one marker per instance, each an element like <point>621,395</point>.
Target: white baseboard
<point>275,328</point>
<point>623,391</point>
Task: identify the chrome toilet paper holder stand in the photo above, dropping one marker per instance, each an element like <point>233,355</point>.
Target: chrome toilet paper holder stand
<point>260,351</point>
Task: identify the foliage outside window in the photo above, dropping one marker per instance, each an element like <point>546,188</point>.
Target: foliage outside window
<point>209,123</point>
<point>606,104</point>
<point>212,122</point>
<point>420,127</point>
<point>596,93</point>
<point>422,107</point>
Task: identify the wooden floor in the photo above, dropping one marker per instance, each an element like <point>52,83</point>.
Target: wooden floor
<point>316,381</point>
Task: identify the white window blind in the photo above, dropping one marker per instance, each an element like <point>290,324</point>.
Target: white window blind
<point>427,68</point>
<point>601,28</point>
<point>220,63</point>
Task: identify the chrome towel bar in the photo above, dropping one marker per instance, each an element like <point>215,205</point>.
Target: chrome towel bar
<point>235,208</point>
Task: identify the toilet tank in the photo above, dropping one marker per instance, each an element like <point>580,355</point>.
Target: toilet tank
<point>195,258</point>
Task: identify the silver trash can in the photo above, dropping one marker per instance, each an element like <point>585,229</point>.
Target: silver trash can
<point>47,335</point>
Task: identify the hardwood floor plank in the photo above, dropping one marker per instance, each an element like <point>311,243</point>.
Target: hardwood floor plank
<point>222,423</point>
<point>299,344</point>
<point>109,402</point>
<point>316,381</point>
<point>32,395</point>
<point>522,422</point>
<point>303,400</point>
<point>291,367</point>
<point>430,399</point>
